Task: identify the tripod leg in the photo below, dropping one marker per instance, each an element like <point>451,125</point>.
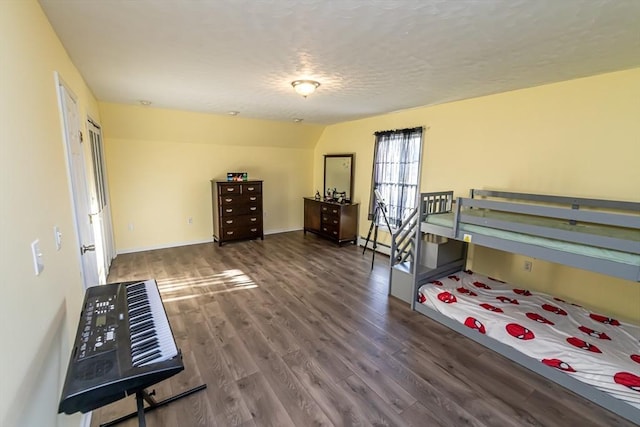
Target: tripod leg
<point>375,245</point>
<point>368,236</point>
<point>384,215</point>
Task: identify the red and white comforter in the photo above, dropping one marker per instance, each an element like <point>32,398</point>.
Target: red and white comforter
<point>593,348</point>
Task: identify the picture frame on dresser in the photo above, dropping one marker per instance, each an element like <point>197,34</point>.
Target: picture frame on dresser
<point>237,210</point>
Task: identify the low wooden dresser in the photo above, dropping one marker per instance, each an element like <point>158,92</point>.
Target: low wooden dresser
<point>237,210</point>
<point>331,220</point>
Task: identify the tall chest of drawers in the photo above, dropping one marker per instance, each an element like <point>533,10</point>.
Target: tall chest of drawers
<point>237,210</point>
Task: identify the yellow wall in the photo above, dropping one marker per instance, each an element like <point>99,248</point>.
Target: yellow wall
<point>160,163</point>
<point>579,137</point>
<point>38,314</point>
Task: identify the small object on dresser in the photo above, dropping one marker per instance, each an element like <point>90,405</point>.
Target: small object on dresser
<point>237,176</point>
<point>317,196</point>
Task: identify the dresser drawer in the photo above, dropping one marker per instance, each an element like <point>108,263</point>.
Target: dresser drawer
<point>330,219</point>
<point>253,188</point>
<point>241,221</point>
<point>330,210</point>
<point>330,230</point>
<point>241,232</point>
<point>244,209</point>
<point>229,189</point>
<point>234,200</point>
<point>251,198</point>
<point>231,199</point>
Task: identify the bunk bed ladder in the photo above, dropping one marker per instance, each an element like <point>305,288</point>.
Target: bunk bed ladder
<point>403,256</point>
<point>406,246</point>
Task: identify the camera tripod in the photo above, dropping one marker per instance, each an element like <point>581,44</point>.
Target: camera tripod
<point>380,208</point>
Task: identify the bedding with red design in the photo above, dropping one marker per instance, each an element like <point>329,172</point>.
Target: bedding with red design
<point>589,346</point>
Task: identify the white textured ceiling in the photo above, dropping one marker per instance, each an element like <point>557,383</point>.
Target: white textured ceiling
<point>370,56</point>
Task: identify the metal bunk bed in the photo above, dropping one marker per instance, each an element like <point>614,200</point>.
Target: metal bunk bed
<point>591,234</point>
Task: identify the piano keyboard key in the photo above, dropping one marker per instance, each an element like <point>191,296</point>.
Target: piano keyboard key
<point>150,334</point>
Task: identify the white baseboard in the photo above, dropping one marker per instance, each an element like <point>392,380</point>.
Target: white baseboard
<point>191,242</point>
<point>165,246</point>
<point>282,230</point>
<point>382,248</point>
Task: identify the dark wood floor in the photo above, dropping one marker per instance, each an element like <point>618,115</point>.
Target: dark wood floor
<point>294,331</point>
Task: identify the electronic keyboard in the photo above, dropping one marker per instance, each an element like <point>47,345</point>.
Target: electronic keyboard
<point>123,344</point>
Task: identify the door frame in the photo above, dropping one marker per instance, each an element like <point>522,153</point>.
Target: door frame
<point>62,87</point>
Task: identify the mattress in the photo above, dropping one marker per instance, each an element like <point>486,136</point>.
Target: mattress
<point>446,220</point>
<point>589,346</point>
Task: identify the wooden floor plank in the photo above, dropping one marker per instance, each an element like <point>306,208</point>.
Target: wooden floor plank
<point>375,409</point>
<point>332,399</point>
<point>265,407</point>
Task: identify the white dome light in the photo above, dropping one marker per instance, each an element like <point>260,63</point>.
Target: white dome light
<point>305,87</point>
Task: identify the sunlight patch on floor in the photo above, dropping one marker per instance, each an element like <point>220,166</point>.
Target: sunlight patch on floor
<point>183,287</point>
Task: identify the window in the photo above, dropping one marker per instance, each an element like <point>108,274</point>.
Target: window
<point>396,170</point>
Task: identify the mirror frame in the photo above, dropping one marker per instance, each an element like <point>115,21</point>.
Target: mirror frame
<point>324,187</point>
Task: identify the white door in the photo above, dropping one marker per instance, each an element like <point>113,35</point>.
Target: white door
<point>78,178</point>
<point>100,206</point>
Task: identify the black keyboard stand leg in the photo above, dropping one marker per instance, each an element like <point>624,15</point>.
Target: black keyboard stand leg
<point>140,404</point>
<point>142,396</point>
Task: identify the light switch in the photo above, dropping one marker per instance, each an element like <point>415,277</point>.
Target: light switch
<point>57,236</point>
<point>38,262</point>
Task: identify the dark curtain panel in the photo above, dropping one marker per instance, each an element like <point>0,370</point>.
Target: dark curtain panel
<point>395,173</point>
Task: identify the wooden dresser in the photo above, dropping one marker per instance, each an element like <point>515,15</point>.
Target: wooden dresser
<point>237,210</point>
<point>334,221</point>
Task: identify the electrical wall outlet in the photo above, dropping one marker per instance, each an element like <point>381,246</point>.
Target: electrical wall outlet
<point>131,227</point>
<point>190,220</point>
<point>528,265</point>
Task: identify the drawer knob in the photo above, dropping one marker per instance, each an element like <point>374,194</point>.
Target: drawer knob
<point>228,210</point>
<point>254,230</point>
<point>253,208</point>
<point>229,233</point>
<point>250,188</point>
<point>228,200</point>
<point>335,222</point>
<point>335,232</point>
<point>231,189</point>
<point>254,219</point>
<point>230,221</point>
<point>252,198</point>
<point>335,211</point>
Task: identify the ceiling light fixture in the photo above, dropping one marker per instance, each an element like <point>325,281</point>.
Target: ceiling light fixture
<point>233,113</point>
<point>296,120</point>
<point>305,87</point>
<point>145,102</point>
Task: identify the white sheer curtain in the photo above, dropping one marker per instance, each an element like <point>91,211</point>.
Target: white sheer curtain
<point>396,168</point>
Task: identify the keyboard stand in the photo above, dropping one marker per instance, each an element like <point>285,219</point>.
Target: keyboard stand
<point>142,396</point>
